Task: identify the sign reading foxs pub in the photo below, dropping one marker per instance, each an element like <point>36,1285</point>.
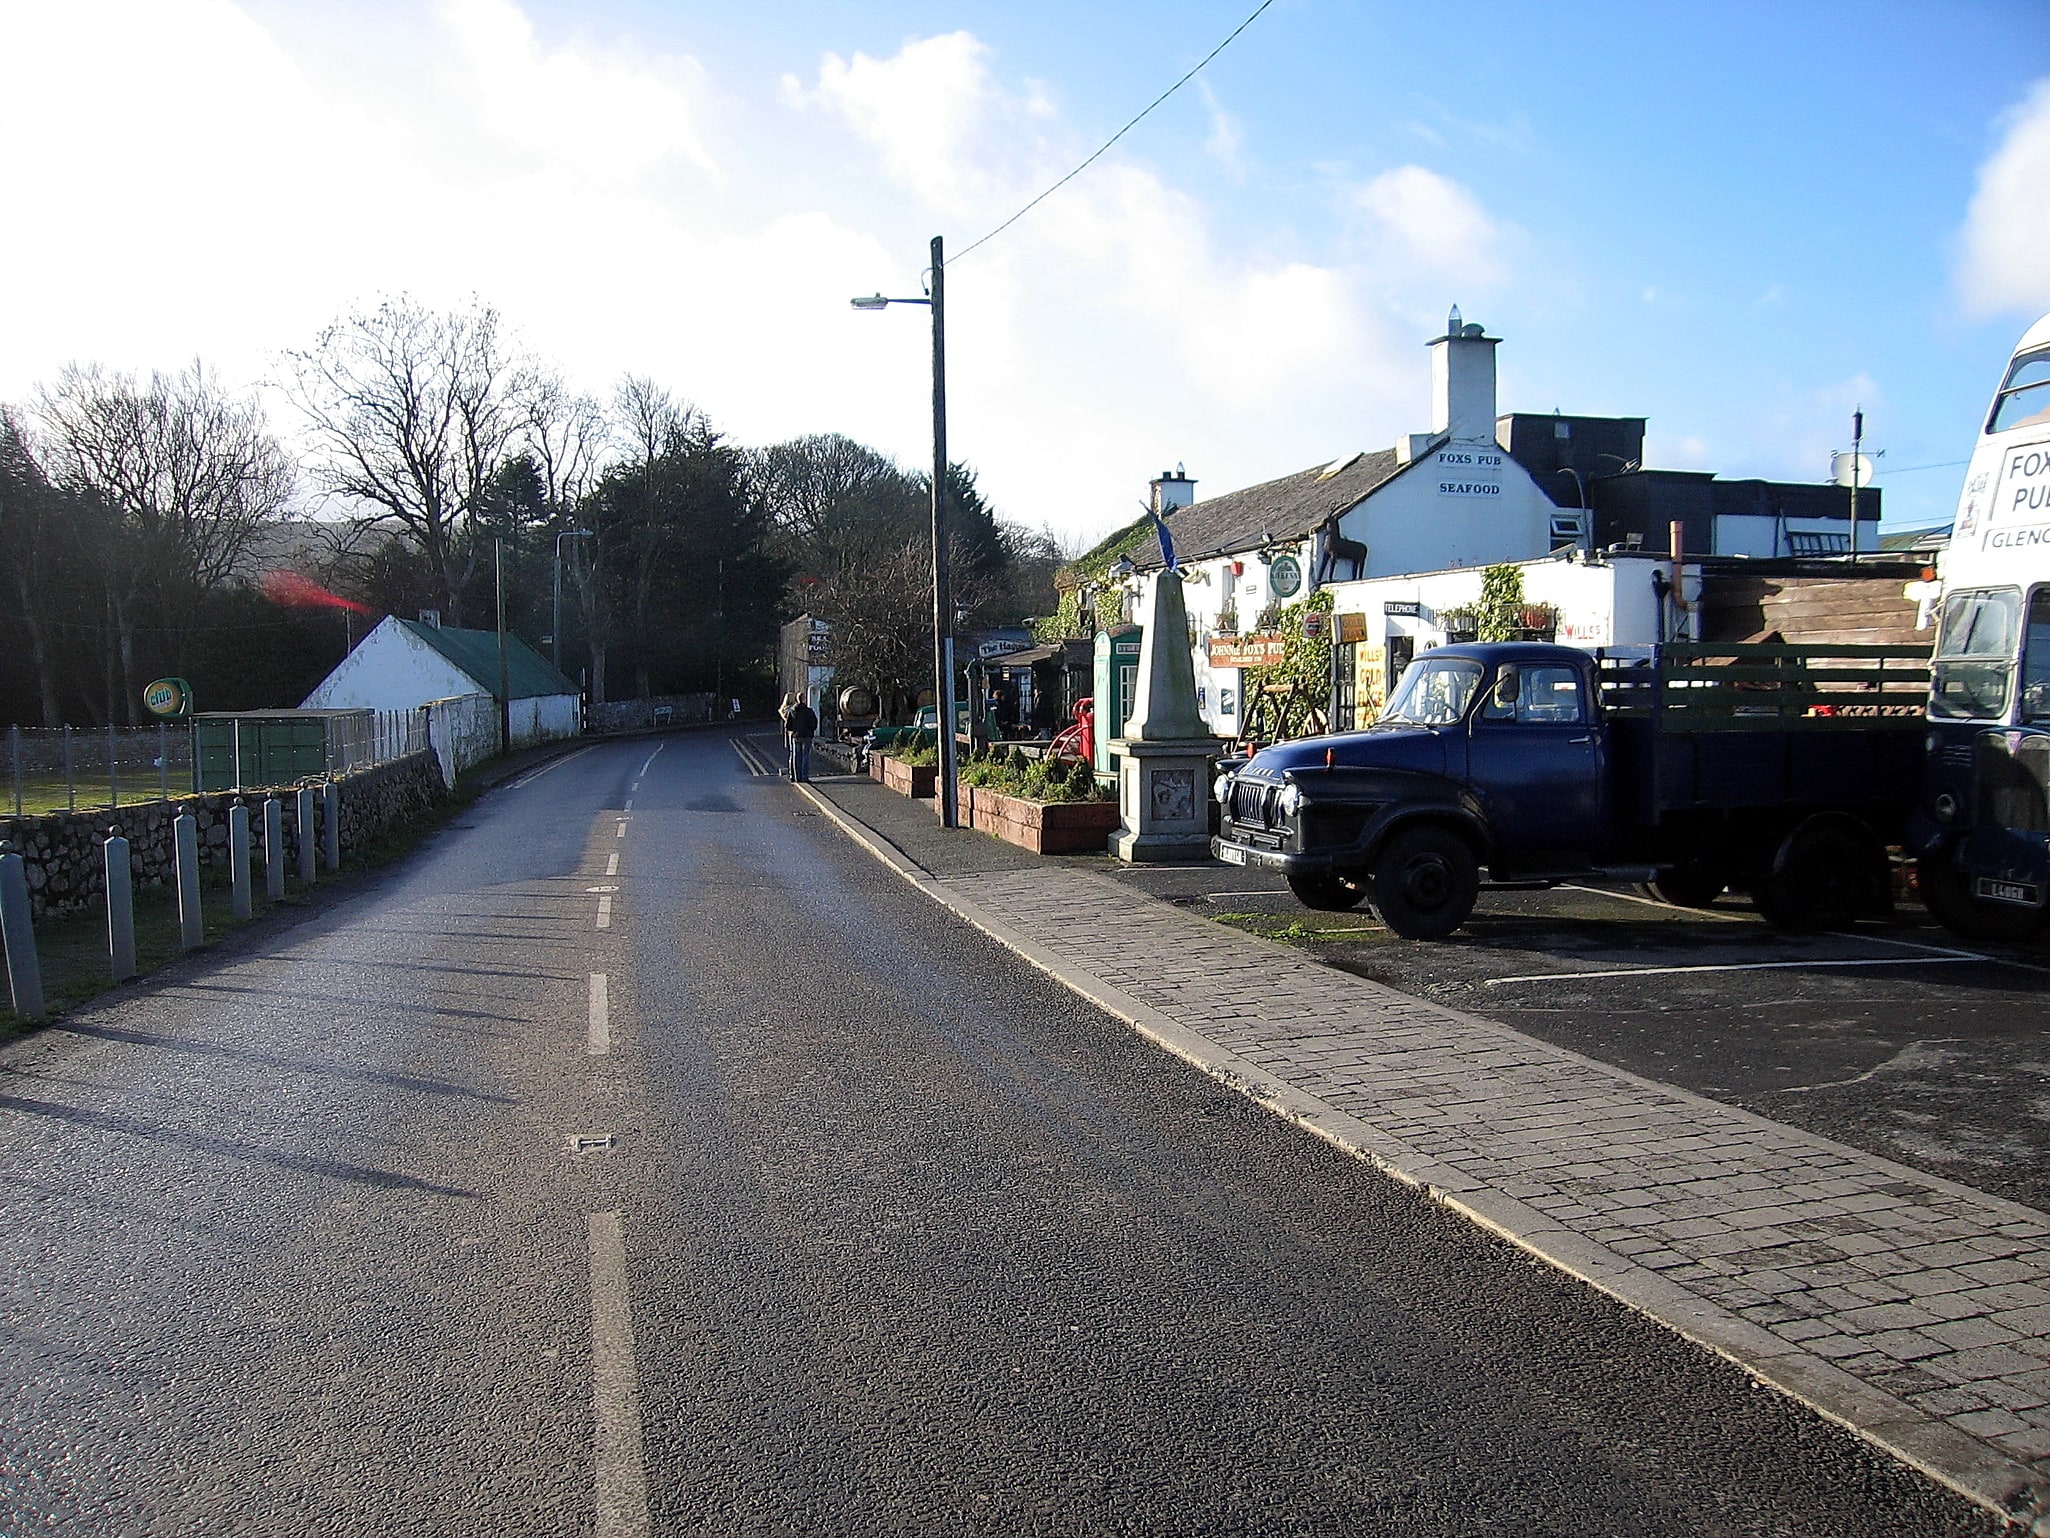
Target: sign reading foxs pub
<point>1248,651</point>
<point>169,699</point>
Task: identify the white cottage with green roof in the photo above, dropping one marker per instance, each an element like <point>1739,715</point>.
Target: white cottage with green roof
<point>404,664</point>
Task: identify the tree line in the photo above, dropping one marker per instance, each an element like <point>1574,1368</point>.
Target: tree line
<point>161,525</point>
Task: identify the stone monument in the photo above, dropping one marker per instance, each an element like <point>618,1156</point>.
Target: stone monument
<point>1165,754</point>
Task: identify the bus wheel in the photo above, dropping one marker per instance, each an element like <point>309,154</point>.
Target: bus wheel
<point>1425,883</point>
<point>1947,894</point>
<point>1328,893</point>
<point>1827,875</point>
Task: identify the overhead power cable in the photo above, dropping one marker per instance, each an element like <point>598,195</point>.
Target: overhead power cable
<point>1085,165</point>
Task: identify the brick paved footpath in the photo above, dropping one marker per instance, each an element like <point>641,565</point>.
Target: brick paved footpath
<point>1914,1310</point>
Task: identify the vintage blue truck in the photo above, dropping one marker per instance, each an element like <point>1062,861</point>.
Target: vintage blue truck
<point>1787,771</point>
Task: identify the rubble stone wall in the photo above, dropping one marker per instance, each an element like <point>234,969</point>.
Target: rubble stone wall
<point>67,873</point>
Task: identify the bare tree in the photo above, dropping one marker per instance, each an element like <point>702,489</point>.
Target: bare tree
<point>31,553</point>
<point>411,412</point>
<point>182,476</point>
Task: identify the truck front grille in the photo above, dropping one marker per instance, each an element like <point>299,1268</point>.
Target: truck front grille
<point>2014,782</point>
<point>1252,803</point>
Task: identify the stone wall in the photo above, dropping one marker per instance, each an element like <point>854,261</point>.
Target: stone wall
<point>66,871</point>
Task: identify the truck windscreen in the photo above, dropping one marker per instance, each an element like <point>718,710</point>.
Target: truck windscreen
<point>1434,692</point>
<point>1975,655</point>
<point>2024,400</point>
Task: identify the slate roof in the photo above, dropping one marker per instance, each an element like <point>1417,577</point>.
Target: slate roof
<point>1287,509</point>
<point>476,653</point>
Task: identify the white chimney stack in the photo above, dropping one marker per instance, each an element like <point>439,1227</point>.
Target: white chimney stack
<point>1463,382</point>
<point>1172,489</point>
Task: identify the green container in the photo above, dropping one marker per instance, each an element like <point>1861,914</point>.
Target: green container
<point>1117,688</point>
<point>278,747</point>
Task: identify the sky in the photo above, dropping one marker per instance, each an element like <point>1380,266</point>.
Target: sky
<point>1739,220</point>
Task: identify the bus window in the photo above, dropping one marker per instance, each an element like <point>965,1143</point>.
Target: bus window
<point>2036,660</point>
<point>2024,401</point>
<point>1975,656</point>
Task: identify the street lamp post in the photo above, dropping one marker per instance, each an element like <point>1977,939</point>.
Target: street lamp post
<point>942,595</point>
<point>555,634</point>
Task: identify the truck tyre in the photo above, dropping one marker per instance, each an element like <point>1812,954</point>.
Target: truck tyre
<point>1425,883</point>
<point>1828,874</point>
<point>1329,893</point>
<point>1947,894</point>
<point>1693,885</point>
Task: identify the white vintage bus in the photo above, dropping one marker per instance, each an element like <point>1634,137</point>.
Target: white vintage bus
<point>1981,838</point>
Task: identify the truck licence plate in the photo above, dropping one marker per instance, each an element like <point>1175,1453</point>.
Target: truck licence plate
<point>1231,854</point>
<point>2021,892</point>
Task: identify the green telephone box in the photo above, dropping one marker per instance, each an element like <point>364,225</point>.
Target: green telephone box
<point>1117,688</point>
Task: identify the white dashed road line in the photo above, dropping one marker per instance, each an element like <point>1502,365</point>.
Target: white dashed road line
<point>612,865</point>
<point>598,1038</point>
<point>619,828</point>
<point>621,1466</point>
<point>604,913</point>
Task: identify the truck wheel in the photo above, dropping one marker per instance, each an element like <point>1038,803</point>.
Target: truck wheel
<point>1425,883</point>
<point>1687,886</point>
<point>1947,894</point>
<point>1328,893</point>
<point>1826,876</point>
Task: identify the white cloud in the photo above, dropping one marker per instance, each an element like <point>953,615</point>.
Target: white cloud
<point>611,118</point>
<point>1227,142</point>
<point>2006,256</point>
<point>1421,224</point>
<point>928,109</point>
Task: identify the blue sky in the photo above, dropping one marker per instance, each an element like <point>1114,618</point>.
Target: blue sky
<point>1737,220</point>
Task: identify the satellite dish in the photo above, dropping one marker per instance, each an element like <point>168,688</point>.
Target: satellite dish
<point>1841,466</point>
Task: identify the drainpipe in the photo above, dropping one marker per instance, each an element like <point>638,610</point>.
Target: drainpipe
<point>1676,534</point>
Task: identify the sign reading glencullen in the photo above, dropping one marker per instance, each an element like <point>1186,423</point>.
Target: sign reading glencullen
<point>1248,651</point>
<point>170,698</point>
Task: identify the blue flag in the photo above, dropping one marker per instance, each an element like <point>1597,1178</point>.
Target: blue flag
<point>1166,539</point>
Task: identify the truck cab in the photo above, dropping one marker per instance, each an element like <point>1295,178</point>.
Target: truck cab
<point>1492,754</point>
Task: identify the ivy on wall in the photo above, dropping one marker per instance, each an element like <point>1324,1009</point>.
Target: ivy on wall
<point>1093,572</point>
<point>1499,614</point>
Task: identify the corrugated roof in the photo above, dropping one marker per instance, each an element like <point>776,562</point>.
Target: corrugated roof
<point>1287,509</point>
<point>528,673</point>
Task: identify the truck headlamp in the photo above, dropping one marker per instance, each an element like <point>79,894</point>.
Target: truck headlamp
<point>1291,798</point>
<point>1944,807</point>
<point>1221,789</point>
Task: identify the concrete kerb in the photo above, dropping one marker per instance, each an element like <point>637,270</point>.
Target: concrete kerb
<point>1974,1470</point>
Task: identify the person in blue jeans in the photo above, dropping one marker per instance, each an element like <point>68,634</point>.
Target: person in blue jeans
<point>802,724</point>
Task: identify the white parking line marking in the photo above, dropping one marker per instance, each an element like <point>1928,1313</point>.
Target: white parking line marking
<point>1934,960</point>
<point>598,1039</point>
<point>612,865</point>
<point>1653,902</point>
<point>604,913</point>
<point>621,1463</point>
<point>549,767</point>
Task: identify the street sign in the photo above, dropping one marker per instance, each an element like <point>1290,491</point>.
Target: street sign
<point>168,698</point>
<point>1285,576</point>
<point>1314,625</point>
<point>1403,608</point>
<point>1248,651</point>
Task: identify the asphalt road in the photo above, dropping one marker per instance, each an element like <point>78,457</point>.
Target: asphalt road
<point>820,1213</point>
<point>1899,1039</point>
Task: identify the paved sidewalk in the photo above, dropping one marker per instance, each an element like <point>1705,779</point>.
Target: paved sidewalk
<point>1914,1310</point>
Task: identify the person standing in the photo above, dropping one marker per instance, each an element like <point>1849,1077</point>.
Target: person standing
<point>802,723</point>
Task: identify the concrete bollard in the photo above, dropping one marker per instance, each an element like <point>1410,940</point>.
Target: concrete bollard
<point>185,843</point>
<point>238,859</point>
<point>307,852</point>
<point>18,934</point>
<point>331,824</point>
<point>274,849</point>
<point>120,907</point>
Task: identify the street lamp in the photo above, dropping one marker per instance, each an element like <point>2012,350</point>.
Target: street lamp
<point>942,598</point>
<point>555,635</point>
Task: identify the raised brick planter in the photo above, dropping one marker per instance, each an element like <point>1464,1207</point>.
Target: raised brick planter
<point>914,780</point>
<point>1044,827</point>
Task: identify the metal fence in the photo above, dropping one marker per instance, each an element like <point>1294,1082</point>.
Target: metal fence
<point>66,768</point>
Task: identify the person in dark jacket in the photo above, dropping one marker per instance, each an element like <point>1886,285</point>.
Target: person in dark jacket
<point>802,724</point>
